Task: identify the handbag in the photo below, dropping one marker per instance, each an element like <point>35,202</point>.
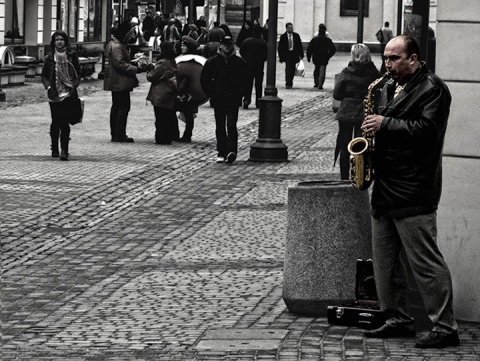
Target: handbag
<point>300,68</point>
<point>77,111</point>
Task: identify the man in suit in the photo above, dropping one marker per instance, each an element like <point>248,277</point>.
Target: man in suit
<point>290,51</point>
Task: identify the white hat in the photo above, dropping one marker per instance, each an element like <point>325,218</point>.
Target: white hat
<point>134,21</point>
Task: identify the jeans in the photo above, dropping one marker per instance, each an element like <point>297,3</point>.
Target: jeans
<point>417,236</point>
<point>60,127</point>
<point>226,130</point>
<point>119,113</point>
<point>319,75</point>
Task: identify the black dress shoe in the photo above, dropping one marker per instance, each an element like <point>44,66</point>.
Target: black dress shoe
<point>185,140</point>
<point>125,139</point>
<point>438,340</point>
<point>388,331</point>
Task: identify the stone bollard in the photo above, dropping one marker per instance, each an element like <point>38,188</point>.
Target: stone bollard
<point>328,229</point>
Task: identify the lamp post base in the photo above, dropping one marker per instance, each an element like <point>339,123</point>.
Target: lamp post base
<point>269,147</point>
<point>2,96</point>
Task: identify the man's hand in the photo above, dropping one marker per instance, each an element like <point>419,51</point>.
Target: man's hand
<point>372,123</point>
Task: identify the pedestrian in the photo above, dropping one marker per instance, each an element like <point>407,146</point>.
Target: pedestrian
<point>254,51</point>
<point>290,52</point>
<point>171,32</point>
<point>265,31</point>
<point>184,104</point>
<point>351,88</point>
<point>148,25</point>
<point>224,80</point>
<point>320,49</point>
<point>387,35</point>
<point>407,159</point>
<point>61,77</point>
<point>162,94</point>
<point>245,32</point>
<point>120,78</point>
<point>134,37</point>
<point>216,33</point>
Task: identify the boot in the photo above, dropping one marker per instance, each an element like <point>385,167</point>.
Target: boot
<point>54,133</point>
<point>64,139</point>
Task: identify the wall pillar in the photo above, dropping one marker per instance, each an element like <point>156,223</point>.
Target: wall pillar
<point>458,215</point>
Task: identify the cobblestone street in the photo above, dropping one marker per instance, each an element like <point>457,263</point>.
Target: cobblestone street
<point>155,252</point>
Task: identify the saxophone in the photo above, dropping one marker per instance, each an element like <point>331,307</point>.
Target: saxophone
<point>361,171</point>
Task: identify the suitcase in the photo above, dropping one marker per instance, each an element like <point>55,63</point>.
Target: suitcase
<point>364,311</point>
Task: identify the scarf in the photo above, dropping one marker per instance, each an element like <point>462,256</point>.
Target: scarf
<point>64,81</point>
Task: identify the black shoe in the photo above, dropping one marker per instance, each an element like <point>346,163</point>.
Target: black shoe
<point>185,140</point>
<point>231,157</point>
<point>64,155</point>
<point>315,85</point>
<point>320,87</point>
<point>55,154</point>
<point>438,340</point>
<point>125,139</point>
<point>388,331</point>
<point>288,87</point>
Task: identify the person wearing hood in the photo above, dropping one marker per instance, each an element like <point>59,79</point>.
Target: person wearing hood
<point>351,88</point>
<point>224,80</point>
<point>320,49</point>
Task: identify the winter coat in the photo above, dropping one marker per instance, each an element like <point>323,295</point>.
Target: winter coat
<point>254,51</point>
<point>224,80</point>
<point>320,49</point>
<point>163,90</point>
<point>283,47</point>
<point>120,74</point>
<point>351,88</point>
<point>407,156</point>
<point>49,73</point>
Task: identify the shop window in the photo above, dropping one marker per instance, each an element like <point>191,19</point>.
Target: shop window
<point>15,22</point>
<point>350,7</point>
<point>67,18</point>
<point>93,20</point>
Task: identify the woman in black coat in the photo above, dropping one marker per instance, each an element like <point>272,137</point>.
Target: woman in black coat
<point>61,77</point>
<point>351,88</point>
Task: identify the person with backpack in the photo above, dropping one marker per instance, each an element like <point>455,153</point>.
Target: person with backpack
<point>384,35</point>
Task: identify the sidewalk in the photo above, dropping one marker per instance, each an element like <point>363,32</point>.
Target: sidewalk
<point>148,252</point>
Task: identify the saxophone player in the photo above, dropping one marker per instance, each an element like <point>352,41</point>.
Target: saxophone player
<point>409,128</point>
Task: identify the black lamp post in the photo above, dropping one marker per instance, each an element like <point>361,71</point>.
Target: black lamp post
<point>219,4</point>
<point>269,146</point>
<point>360,22</point>
<point>2,93</point>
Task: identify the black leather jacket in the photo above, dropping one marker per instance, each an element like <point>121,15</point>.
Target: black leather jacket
<point>408,147</point>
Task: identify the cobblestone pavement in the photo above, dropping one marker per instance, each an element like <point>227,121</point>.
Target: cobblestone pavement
<point>147,252</point>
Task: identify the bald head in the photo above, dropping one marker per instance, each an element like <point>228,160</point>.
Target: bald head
<point>402,58</point>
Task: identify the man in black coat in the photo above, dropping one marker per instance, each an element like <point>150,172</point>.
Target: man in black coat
<point>254,51</point>
<point>290,51</point>
<point>320,50</point>
<point>223,79</point>
<point>410,128</point>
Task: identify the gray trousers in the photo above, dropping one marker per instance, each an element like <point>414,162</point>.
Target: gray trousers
<point>417,236</point>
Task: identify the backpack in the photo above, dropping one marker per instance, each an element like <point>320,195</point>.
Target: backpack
<point>379,35</point>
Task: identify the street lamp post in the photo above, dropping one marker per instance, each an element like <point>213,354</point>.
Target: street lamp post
<point>3,97</point>
<point>360,22</point>
<point>269,146</point>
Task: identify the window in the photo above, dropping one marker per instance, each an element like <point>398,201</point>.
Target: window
<point>67,15</point>
<point>14,21</point>
<point>350,7</point>
<point>93,20</point>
